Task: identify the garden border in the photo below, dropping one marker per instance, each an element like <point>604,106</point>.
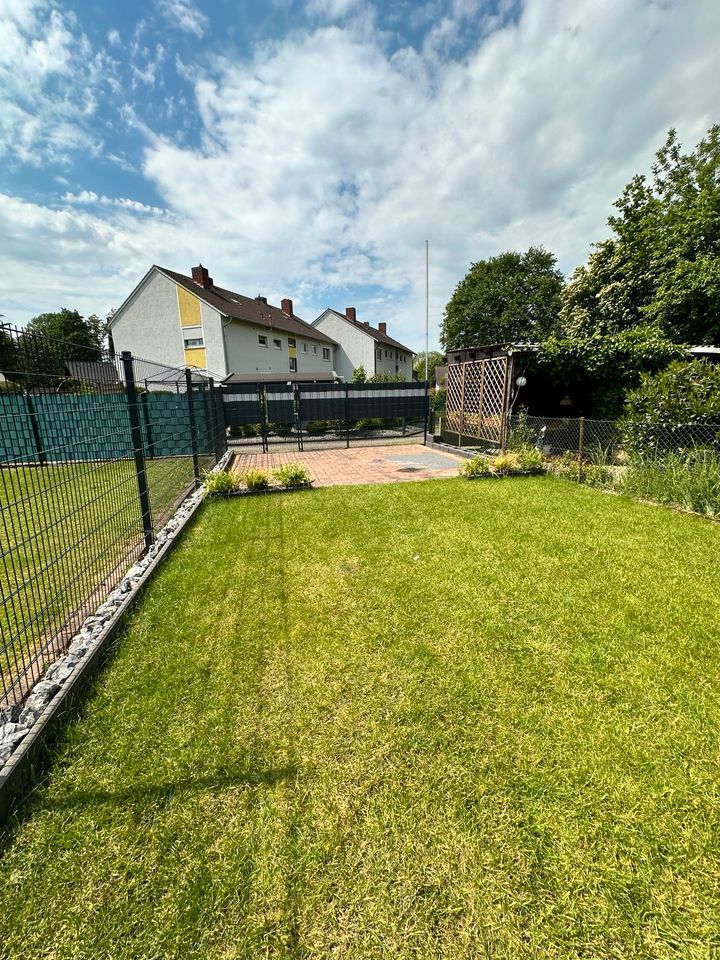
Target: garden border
<point>21,766</point>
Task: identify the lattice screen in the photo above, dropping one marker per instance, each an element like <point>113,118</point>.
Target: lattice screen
<point>476,399</point>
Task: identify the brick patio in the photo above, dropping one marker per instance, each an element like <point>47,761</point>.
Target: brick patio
<point>342,467</point>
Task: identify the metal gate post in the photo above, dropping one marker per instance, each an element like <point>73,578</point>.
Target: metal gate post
<point>298,395</point>
<point>347,416</point>
<point>427,412</point>
<point>262,398</point>
<point>137,447</point>
<point>193,427</point>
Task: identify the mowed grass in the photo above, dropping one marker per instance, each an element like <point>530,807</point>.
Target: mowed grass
<point>437,719</point>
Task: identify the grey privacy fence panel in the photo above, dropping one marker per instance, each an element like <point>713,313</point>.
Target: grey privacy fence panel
<point>241,404</point>
<point>96,451</point>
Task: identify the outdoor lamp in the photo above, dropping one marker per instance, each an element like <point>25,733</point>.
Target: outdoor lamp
<point>521,381</point>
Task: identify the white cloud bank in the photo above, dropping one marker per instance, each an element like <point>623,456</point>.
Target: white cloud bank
<point>326,162</point>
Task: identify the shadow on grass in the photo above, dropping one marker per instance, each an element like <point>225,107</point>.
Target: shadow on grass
<point>159,793</point>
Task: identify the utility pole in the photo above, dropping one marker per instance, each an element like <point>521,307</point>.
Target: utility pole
<point>427,305</point>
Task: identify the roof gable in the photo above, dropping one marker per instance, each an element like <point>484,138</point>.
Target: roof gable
<point>373,332</point>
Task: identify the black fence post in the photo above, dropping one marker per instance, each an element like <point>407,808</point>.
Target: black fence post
<point>262,402</point>
<point>35,426</point>
<point>347,416</point>
<point>137,445</point>
<point>193,425</point>
<point>148,425</point>
<point>427,412</point>
<point>214,414</point>
<point>298,394</point>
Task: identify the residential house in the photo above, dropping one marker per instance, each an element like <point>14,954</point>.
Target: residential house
<point>359,344</point>
<point>189,321</point>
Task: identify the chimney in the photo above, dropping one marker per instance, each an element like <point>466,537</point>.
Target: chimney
<point>350,313</point>
<point>287,307</point>
<point>366,323</point>
<point>382,327</point>
<point>261,299</point>
<point>202,278</point>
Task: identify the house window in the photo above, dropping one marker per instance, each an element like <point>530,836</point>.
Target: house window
<point>277,344</point>
<point>304,348</point>
<point>326,353</point>
<point>193,337</point>
<point>291,342</point>
<point>379,354</point>
<point>194,342</point>
<point>386,354</point>
<point>293,365</point>
<point>314,348</point>
<point>262,339</point>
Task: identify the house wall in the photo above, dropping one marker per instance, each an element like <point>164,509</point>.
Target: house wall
<point>149,326</point>
<point>355,348</point>
<point>245,355</point>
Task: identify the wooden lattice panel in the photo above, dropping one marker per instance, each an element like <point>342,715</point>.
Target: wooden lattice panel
<point>476,399</point>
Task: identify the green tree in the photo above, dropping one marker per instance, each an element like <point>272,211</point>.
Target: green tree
<point>83,336</point>
<point>435,359</point>
<point>662,264</point>
<point>510,297</point>
<point>359,375</point>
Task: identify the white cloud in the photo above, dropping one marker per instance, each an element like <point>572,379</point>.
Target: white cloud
<point>113,38</point>
<point>332,9</point>
<point>326,161</point>
<point>184,15</point>
<point>89,197</point>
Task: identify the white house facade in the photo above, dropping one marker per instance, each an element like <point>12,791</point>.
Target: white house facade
<point>359,344</point>
<point>189,321</point>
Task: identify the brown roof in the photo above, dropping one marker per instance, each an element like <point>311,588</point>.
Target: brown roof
<point>374,333</point>
<point>238,307</point>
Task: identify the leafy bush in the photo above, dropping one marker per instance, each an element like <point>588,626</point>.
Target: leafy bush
<point>293,475</point>
<point>251,429</point>
<point>256,480</point>
<point>531,459</point>
<point>477,467</point>
<point>219,483</point>
<point>280,429</point>
<point>596,475</point>
<point>359,375</point>
<point>369,424</point>
<point>678,407</point>
<point>317,427</point>
<point>566,466</point>
<point>505,464</point>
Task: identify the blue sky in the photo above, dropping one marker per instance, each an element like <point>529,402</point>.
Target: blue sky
<point>307,148</point>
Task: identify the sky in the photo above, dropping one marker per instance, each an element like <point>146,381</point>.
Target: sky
<point>309,148</point>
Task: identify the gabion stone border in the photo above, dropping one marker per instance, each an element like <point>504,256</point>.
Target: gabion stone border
<point>17,722</point>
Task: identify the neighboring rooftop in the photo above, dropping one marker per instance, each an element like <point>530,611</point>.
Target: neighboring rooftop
<point>293,377</point>
<point>377,333</point>
<point>238,307</point>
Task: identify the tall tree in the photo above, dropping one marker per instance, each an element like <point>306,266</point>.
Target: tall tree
<point>662,264</point>
<point>69,325</point>
<point>513,296</point>
<point>435,359</point>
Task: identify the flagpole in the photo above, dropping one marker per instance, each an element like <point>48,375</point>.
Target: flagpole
<point>427,307</point>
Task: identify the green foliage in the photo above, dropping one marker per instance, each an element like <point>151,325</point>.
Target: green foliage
<point>513,296</point>
<point>220,483</point>
<point>530,459</point>
<point>317,428</point>
<point>256,480</point>
<point>659,412</point>
<point>605,366</point>
<point>438,399</point>
<point>280,429</point>
<point>435,359</point>
<point>293,475</point>
<point>250,429</point>
<point>662,265</point>
<point>479,466</point>
<point>690,480</point>
<point>386,378</point>
<point>359,375</point>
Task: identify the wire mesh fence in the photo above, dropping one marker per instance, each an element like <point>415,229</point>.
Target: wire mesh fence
<point>96,452</point>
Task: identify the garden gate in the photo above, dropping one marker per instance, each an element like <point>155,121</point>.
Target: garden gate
<point>478,399</point>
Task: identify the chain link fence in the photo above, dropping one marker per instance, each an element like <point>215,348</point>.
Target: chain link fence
<point>96,453</point>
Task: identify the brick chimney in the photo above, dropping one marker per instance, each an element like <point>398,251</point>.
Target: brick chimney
<point>286,305</point>
<point>202,278</point>
<point>350,313</point>
<point>382,327</point>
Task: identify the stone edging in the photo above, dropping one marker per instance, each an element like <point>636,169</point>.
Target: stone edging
<point>23,729</point>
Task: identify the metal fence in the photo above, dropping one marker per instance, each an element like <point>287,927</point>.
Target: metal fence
<point>308,415</point>
<point>96,453</point>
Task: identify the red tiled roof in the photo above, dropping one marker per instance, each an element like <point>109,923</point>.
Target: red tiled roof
<point>374,333</point>
<point>238,307</point>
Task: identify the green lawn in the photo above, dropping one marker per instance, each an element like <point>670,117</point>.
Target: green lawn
<point>438,719</point>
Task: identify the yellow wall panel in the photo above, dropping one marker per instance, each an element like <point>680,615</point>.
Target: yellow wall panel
<point>196,357</point>
<point>189,306</point>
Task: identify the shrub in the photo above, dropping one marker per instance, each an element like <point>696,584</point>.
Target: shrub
<point>506,463</point>
<point>369,424</point>
<point>219,483</point>
<point>256,480</point>
<point>235,430</point>
<point>250,429</point>
<point>280,429</point>
<point>530,459</point>
<point>688,480</point>
<point>317,427</point>
<point>477,467</point>
<point>293,475</point>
